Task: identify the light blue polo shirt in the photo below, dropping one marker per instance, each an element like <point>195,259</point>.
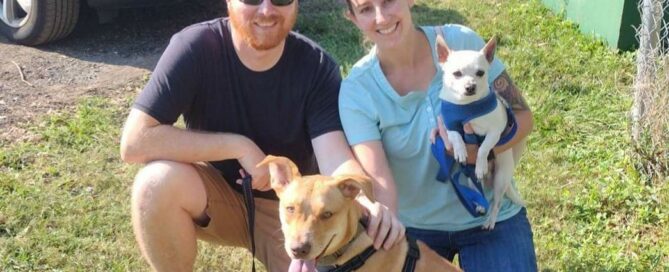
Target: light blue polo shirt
<point>370,110</point>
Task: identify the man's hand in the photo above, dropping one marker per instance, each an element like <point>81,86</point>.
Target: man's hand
<point>248,161</point>
<point>383,226</point>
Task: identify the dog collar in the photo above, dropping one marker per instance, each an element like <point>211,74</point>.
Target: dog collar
<point>329,260</point>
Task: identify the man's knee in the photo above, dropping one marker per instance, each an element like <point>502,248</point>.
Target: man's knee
<point>168,183</point>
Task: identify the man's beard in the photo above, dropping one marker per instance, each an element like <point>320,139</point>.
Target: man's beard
<point>263,40</point>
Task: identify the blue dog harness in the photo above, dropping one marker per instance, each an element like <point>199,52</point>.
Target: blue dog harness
<point>455,116</point>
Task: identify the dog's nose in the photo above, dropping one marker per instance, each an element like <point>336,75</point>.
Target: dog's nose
<point>300,250</point>
<point>470,89</point>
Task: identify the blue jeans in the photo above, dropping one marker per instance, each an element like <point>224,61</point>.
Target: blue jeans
<point>508,247</point>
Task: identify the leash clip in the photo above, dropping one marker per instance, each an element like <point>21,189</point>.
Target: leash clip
<point>480,208</point>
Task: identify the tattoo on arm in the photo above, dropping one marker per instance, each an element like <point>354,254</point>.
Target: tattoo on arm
<point>507,90</point>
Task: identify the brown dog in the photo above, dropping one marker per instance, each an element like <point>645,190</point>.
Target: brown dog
<point>320,221</point>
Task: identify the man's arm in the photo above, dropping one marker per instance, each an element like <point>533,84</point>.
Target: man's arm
<point>144,140</point>
<point>504,87</point>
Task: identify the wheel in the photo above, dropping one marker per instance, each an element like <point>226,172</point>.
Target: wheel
<point>34,22</point>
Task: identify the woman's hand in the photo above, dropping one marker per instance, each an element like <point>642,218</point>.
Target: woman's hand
<point>472,149</point>
<point>383,226</point>
<point>441,131</point>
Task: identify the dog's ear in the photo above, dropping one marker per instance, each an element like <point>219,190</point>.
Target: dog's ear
<point>281,171</point>
<point>351,185</point>
<point>442,49</point>
<point>489,49</point>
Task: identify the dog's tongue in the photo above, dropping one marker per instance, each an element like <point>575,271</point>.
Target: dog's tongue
<point>302,266</point>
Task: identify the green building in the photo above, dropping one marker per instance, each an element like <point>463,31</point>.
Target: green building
<point>614,21</point>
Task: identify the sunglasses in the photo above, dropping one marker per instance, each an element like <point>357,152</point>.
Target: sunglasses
<point>278,3</point>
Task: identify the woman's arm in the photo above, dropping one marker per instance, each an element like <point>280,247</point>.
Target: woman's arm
<point>372,158</point>
<point>504,87</point>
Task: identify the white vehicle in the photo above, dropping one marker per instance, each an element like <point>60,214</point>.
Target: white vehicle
<point>34,22</point>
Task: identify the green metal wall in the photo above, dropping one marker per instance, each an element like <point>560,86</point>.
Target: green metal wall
<point>611,20</point>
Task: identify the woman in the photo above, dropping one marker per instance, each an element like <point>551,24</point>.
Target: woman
<point>389,105</point>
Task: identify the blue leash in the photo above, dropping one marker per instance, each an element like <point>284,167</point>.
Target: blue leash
<point>473,200</point>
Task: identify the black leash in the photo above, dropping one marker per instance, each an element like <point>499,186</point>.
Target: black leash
<point>250,214</point>
<point>413,254</point>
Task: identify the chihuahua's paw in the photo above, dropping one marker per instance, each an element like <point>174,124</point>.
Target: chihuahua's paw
<point>460,153</point>
<point>489,224</point>
<point>481,168</point>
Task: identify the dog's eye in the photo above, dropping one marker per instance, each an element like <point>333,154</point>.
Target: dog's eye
<point>326,215</point>
<point>457,74</point>
<point>364,10</point>
<point>290,209</point>
<point>480,73</point>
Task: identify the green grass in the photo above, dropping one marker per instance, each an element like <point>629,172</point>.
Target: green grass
<point>64,195</point>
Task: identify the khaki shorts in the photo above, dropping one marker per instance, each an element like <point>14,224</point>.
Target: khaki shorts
<point>227,221</point>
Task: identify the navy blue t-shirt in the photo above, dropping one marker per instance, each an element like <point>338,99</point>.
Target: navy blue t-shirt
<point>282,109</point>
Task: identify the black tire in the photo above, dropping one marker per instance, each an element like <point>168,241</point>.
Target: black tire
<point>48,20</point>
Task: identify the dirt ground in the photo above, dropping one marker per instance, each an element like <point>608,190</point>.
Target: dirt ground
<point>102,60</point>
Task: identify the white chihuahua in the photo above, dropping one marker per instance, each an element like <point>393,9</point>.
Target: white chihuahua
<point>466,83</point>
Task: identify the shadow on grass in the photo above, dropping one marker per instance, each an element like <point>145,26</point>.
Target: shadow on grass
<point>423,14</point>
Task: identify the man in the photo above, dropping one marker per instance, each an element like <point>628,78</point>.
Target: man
<point>247,86</point>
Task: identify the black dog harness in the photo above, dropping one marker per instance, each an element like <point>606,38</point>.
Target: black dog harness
<point>413,254</point>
